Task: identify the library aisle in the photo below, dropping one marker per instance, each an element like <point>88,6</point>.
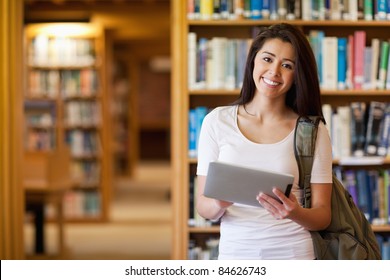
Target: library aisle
<point>139,226</point>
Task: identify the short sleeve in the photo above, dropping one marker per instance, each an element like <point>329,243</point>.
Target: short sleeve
<point>208,149</point>
<point>322,165</point>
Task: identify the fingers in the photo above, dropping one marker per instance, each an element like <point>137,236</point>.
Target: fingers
<point>278,209</point>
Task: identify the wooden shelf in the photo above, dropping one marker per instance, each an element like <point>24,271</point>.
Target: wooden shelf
<point>77,86</point>
<point>314,23</point>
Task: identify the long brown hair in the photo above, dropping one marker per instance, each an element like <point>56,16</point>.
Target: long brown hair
<point>304,96</point>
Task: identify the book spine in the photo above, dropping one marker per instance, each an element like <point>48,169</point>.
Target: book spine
<point>206,9</point>
<point>381,10</point>
<point>247,9</point>
<point>256,7</point>
<point>368,10</point>
<point>384,133</point>
<point>342,63</point>
<point>192,60</point>
<point>360,44</point>
<point>358,133</point>
<point>367,69</point>
<point>375,45</point>
<point>265,12</point>
<point>329,65</point>
<point>374,122</point>
<point>384,59</point>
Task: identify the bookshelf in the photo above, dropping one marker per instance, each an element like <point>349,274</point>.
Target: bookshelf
<point>65,103</point>
<point>185,98</point>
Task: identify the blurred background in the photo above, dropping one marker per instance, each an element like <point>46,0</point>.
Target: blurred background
<point>120,206</point>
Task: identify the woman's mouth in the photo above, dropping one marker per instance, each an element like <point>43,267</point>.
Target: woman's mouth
<point>269,82</point>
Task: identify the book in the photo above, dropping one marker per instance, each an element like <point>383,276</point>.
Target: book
<point>350,185</point>
<point>192,60</point>
<point>374,121</point>
<point>192,153</point>
<point>381,10</point>
<point>358,133</point>
<point>359,45</point>
<point>384,133</point>
<point>383,62</point>
<point>375,45</point>
<point>368,10</point>
<point>350,58</point>
<point>341,63</point>
<point>329,65</point>
<point>344,116</point>
<point>255,9</point>
<point>206,9</point>
<point>367,70</point>
<point>315,38</point>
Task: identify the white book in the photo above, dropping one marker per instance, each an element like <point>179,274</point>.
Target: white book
<point>218,50</point>
<point>353,9</point>
<point>230,65</point>
<point>375,45</point>
<point>191,60</point>
<point>335,10</point>
<point>306,10</point>
<point>210,71</point>
<point>329,65</point>
<point>344,113</point>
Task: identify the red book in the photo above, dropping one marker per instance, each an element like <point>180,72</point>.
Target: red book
<point>359,45</point>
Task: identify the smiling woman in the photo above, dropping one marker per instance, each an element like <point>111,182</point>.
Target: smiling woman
<point>257,131</point>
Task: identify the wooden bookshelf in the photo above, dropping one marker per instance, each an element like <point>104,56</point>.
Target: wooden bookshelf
<point>184,98</point>
<point>65,103</point>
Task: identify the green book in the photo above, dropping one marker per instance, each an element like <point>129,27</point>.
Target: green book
<point>383,60</point>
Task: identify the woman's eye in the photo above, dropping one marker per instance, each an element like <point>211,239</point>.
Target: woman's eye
<point>288,66</point>
<point>267,59</point>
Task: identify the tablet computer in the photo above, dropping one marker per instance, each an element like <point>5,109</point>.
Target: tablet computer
<point>240,184</point>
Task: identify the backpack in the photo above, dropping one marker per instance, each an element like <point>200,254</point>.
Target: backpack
<point>349,235</point>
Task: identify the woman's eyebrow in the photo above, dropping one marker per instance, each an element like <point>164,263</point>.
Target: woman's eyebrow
<point>271,54</point>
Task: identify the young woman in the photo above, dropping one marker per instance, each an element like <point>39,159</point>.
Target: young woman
<point>257,131</point>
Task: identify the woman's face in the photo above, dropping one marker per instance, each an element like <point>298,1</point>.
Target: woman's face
<point>274,67</point>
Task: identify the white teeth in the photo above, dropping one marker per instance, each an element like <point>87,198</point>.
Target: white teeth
<point>272,83</point>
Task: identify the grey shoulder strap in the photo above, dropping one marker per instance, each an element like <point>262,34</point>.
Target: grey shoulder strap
<point>304,145</point>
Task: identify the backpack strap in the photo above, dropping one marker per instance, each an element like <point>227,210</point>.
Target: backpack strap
<point>304,145</point>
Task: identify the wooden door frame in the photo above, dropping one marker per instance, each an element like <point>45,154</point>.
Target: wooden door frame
<point>11,125</point>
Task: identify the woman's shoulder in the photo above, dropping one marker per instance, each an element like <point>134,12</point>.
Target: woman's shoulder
<point>223,111</point>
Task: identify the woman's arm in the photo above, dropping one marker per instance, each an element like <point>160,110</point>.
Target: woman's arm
<point>209,208</point>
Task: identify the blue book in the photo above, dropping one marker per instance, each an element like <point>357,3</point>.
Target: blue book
<point>386,250</point>
<point>388,10</point>
<point>362,185</point>
<point>273,10</point>
<point>265,12</point>
<point>351,185</point>
<point>200,112</point>
<point>201,62</point>
<point>381,10</point>
<point>192,133</point>
<point>373,195</point>
<point>341,63</point>
<point>315,38</point>
<point>256,8</point>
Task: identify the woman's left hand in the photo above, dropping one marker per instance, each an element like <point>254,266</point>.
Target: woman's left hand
<point>285,208</point>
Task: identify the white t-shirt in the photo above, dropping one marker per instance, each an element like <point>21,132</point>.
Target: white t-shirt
<point>251,232</point>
